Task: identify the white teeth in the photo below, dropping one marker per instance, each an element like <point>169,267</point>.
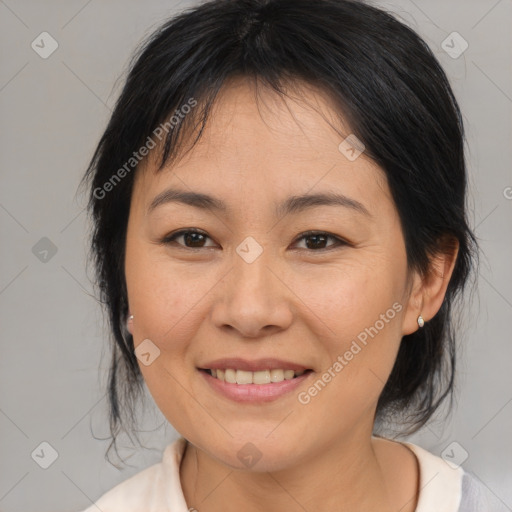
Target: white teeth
<point>230,376</point>
<point>243,377</point>
<point>260,377</point>
<point>276,375</point>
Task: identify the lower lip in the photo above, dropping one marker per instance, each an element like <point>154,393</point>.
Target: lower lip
<point>254,392</point>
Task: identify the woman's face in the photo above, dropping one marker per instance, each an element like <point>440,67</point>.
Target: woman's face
<point>253,287</point>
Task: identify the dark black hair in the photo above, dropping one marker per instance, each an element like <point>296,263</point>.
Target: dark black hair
<point>387,85</point>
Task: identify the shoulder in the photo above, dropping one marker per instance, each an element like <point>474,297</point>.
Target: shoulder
<point>446,487</point>
<point>440,484</point>
<point>154,489</point>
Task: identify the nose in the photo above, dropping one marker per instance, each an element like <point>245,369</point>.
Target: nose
<point>253,299</point>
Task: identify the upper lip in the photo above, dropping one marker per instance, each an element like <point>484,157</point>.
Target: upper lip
<point>254,365</point>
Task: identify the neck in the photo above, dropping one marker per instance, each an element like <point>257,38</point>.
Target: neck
<point>351,475</point>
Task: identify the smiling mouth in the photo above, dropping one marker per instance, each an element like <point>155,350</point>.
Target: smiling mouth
<point>232,376</point>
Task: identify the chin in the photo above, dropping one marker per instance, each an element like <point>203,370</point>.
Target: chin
<point>254,452</point>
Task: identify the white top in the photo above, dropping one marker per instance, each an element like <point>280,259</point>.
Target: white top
<point>158,488</point>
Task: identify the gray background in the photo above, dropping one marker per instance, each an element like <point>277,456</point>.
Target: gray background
<point>53,351</point>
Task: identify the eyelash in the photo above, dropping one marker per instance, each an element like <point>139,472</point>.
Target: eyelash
<point>339,242</point>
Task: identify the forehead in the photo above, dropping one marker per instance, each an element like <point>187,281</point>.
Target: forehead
<point>248,116</point>
<point>259,143</point>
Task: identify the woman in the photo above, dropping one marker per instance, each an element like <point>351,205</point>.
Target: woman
<point>280,235</point>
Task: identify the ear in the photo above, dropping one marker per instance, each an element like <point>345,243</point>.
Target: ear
<point>427,292</point>
<point>129,323</point>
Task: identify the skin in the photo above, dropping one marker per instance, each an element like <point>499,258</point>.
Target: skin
<point>295,302</point>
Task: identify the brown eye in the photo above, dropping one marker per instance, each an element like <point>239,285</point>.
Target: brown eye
<point>317,240</point>
<point>192,239</point>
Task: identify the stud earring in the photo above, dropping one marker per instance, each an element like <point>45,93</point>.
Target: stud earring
<point>421,322</point>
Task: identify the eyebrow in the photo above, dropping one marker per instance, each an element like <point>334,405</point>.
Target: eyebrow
<point>293,204</point>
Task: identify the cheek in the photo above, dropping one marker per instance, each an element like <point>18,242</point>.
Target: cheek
<point>163,296</point>
<point>360,310</point>
<point>166,301</point>
<point>351,296</point>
